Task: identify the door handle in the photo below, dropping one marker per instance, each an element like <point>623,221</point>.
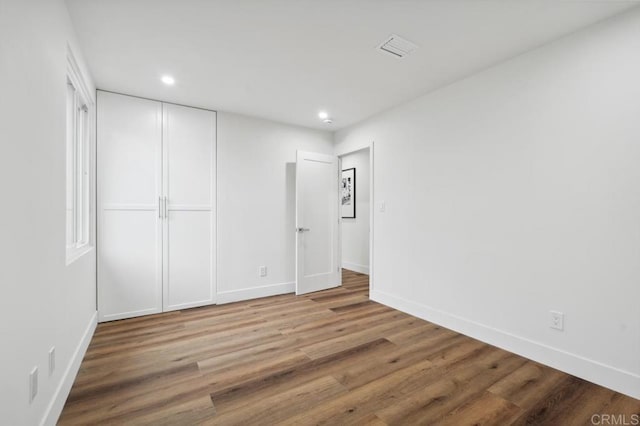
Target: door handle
<point>303,229</point>
<point>160,207</point>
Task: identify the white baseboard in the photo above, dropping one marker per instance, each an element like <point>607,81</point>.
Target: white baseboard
<point>255,292</point>
<point>56,405</point>
<point>363,269</point>
<point>605,375</point>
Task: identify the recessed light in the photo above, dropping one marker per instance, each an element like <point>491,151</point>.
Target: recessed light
<point>168,80</point>
<point>323,115</point>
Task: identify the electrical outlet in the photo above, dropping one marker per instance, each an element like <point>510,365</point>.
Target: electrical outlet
<point>262,271</point>
<point>383,206</point>
<point>33,384</point>
<point>557,320</point>
<point>52,360</point>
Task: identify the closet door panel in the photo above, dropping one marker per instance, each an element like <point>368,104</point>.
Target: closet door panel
<point>189,252</point>
<point>189,151</point>
<point>129,138</point>
<point>129,270</point>
<point>129,241</point>
<point>189,182</point>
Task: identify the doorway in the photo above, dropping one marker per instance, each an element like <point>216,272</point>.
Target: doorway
<point>356,194</point>
<point>334,195</point>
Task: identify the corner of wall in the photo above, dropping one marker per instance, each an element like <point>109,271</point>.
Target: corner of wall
<point>60,395</point>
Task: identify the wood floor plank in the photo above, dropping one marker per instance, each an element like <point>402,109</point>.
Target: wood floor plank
<point>341,329</point>
<point>113,383</point>
<point>393,360</point>
<point>191,412</point>
<point>106,404</point>
<point>372,420</point>
<point>353,306</point>
<point>553,409</point>
<point>488,409</point>
<point>267,385</point>
<point>254,353</point>
<point>418,334</point>
<point>524,386</point>
<point>448,390</point>
<point>285,322</point>
<point>238,374</point>
<point>332,357</point>
<point>337,296</point>
<point>340,343</point>
<point>275,408</point>
<point>343,320</point>
<point>361,402</point>
<point>186,350</point>
<point>622,405</point>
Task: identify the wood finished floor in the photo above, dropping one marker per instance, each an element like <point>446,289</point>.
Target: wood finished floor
<point>332,357</point>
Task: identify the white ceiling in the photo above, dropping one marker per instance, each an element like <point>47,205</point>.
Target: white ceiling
<point>287,59</point>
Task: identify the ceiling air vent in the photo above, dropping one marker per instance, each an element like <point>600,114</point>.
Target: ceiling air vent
<point>397,46</point>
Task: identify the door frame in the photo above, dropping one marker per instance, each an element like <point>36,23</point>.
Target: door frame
<point>340,151</point>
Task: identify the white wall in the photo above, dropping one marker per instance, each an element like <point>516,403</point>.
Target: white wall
<point>43,302</point>
<point>256,203</point>
<point>355,232</point>
<point>516,192</point>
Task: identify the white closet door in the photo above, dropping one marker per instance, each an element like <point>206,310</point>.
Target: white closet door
<point>129,225</point>
<point>189,184</point>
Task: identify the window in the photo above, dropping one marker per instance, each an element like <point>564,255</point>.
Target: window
<point>78,165</point>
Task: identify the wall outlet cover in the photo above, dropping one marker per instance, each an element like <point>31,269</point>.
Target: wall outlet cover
<point>33,384</point>
<point>52,360</point>
<point>557,320</point>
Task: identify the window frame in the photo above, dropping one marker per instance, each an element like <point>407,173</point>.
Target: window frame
<point>79,163</point>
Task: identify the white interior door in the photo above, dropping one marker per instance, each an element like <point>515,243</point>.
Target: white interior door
<point>189,197</point>
<point>317,222</point>
<point>129,223</point>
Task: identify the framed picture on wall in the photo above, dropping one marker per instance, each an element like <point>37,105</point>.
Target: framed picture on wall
<point>349,193</point>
